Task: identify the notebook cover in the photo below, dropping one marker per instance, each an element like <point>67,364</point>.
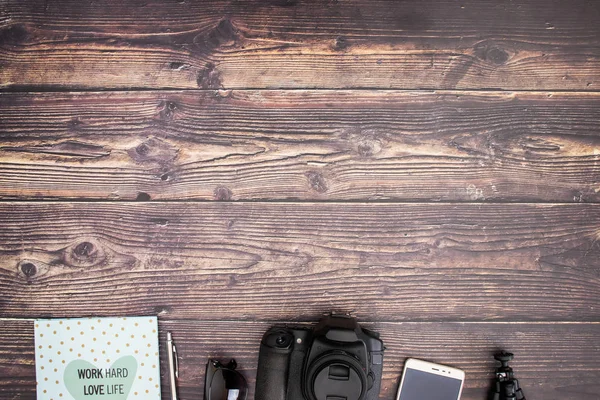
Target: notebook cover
<point>97,358</point>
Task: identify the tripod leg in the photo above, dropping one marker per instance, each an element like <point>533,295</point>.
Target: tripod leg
<point>518,392</point>
<point>495,393</point>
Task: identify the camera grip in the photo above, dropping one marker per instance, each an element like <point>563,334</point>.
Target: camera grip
<point>377,374</point>
<point>272,374</point>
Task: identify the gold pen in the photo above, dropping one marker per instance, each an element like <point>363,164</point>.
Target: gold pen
<point>173,365</point>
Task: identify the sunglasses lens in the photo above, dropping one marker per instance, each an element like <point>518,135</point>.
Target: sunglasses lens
<point>228,385</point>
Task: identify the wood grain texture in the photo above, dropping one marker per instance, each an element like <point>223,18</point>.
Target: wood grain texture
<point>498,102</point>
<point>307,145</point>
<point>258,261</point>
<point>472,44</point>
<point>542,354</point>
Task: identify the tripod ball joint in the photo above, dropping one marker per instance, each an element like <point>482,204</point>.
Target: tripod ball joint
<point>506,386</point>
<point>504,358</point>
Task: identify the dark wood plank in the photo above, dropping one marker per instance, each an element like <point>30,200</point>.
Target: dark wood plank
<point>542,354</point>
<point>471,44</point>
<point>316,145</point>
<point>260,261</point>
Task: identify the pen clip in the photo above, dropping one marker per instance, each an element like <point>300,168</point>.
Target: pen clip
<point>175,361</point>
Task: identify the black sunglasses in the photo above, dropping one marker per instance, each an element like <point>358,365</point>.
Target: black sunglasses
<point>223,382</point>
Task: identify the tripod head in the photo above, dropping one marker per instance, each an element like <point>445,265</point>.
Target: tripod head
<point>506,386</point>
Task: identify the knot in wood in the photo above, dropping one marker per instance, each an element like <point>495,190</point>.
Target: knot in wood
<point>74,123</point>
<point>209,77</point>
<point>28,269</point>
<point>167,110</point>
<point>85,253</point>
<point>223,34</point>
<point>143,196</point>
<point>368,148</point>
<point>317,182</point>
<point>497,56</point>
<point>143,149</point>
<point>154,150</point>
<point>13,35</point>
<point>223,193</point>
<point>366,142</point>
<point>84,250</point>
<point>491,53</point>
<point>341,43</point>
<point>222,37</point>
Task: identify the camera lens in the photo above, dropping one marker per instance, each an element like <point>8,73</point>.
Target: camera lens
<point>336,375</point>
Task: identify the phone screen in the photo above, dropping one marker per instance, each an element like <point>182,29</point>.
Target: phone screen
<point>421,385</point>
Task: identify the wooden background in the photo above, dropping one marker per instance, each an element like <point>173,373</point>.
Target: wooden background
<point>432,167</point>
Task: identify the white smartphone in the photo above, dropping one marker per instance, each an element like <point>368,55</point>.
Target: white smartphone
<point>422,380</point>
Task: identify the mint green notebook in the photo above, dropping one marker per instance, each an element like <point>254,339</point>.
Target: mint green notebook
<point>97,358</point>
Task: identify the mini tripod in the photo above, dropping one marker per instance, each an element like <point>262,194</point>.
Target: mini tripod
<point>506,386</point>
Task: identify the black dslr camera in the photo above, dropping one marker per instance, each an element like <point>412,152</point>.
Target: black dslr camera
<point>337,360</point>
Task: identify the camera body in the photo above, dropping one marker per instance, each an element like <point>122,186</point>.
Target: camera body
<point>337,360</point>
